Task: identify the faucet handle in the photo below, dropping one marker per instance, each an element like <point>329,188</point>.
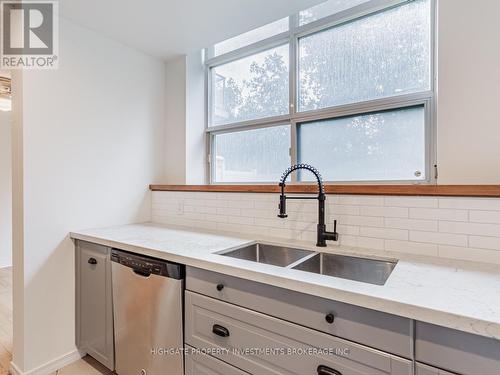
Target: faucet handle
<point>335,233</point>
<point>282,214</point>
<point>282,207</point>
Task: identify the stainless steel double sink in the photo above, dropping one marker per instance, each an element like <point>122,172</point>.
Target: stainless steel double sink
<point>371,271</point>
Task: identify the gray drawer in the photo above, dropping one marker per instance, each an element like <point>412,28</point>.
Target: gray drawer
<point>201,364</point>
<point>427,370</point>
<point>456,351</point>
<point>386,332</point>
<point>292,349</point>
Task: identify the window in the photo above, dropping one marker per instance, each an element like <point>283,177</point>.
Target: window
<point>371,147</point>
<point>251,37</point>
<point>326,9</point>
<point>346,86</point>
<point>258,155</point>
<point>374,57</point>
<point>251,88</point>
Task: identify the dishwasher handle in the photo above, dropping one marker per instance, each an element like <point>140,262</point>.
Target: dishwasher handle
<point>142,273</point>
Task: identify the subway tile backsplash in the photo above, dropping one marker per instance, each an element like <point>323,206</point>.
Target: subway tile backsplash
<point>467,229</point>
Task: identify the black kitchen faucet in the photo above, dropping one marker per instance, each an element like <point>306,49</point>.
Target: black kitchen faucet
<point>323,234</point>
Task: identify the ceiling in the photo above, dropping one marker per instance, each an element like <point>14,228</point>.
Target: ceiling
<point>168,28</point>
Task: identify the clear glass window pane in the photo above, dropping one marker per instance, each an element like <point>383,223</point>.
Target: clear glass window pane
<point>326,9</point>
<point>379,56</point>
<point>373,147</point>
<point>251,88</point>
<point>258,155</point>
<point>252,36</point>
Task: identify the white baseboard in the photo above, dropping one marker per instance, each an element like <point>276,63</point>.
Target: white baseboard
<point>49,367</point>
<point>14,370</point>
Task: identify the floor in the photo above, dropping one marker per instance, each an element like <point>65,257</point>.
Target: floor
<point>85,366</point>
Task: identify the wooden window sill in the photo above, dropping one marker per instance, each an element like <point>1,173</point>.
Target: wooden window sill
<point>408,190</point>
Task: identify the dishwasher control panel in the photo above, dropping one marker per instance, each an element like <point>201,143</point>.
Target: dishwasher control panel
<point>147,265</point>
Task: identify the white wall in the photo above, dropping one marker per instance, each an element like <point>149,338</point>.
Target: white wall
<point>185,119</point>
<point>195,119</point>
<point>175,108</point>
<point>90,140</point>
<point>469,79</point>
<point>5,190</point>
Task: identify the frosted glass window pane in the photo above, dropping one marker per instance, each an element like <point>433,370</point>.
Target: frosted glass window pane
<point>251,88</point>
<point>379,56</point>
<point>252,36</point>
<point>372,147</point>
<point>326,9</point>
<point>259,155</point>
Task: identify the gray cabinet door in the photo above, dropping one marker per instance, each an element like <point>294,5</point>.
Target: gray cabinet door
<point>264,345</point>
<point>428,370</point>
<point>94,313</point>
<point>456,351</point>
<point>202,364</point>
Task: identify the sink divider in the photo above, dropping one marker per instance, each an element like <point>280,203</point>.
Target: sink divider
<point>302,260</point>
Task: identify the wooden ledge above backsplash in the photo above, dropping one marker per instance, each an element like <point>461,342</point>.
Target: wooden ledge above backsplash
<point>418,190</point>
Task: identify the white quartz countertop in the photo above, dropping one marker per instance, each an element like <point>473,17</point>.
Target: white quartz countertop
<point>453,294</point>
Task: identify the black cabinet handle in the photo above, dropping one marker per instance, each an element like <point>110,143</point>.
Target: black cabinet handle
<point>220,330</point>
<point>220,287</point>
<point>330,318</point>
<point>92,261</point>
<point>324,370</point>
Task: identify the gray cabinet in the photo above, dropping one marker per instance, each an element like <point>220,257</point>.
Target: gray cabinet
<point>456,351</point>
<point>257,314</point>
<point>264,345</point>
<point>202,364</point>
<point>422,369</point>
<point>94,307</point>
<point>386,332</point>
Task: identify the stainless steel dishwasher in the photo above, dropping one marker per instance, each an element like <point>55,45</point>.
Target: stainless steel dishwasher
<point>147,310</point>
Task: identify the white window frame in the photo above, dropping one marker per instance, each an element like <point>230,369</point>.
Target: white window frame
<point>427,99</point>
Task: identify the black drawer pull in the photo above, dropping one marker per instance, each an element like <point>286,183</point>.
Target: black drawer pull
<point>220,287</point>
<point>220,330</point>
<point>323,370</point>
<point>92,261</point>
<point>330,318</point>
